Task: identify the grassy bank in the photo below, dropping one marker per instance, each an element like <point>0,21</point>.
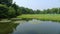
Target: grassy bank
<point>50,17</point>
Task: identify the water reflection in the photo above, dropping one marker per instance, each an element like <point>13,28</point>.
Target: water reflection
<point>30,27</point>
<point>7,28</point>
<point>37,27</point>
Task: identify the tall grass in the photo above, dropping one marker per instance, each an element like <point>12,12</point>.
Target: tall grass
<point>53,17</point>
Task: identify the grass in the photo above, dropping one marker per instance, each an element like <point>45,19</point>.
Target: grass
<point>50,17</point>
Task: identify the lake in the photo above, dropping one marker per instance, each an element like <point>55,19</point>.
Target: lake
<point>30,27</point>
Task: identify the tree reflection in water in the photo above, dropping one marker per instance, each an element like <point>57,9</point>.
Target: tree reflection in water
<point>7,28</point>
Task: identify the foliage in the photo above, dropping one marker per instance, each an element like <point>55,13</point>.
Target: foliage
<point>47,11</point>
<point>3,11</point>
<point>11,10</point>
<point>8,10</point>
<point>6,2</point>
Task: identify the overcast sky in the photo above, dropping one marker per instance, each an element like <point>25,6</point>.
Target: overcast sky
<point>38,4</point>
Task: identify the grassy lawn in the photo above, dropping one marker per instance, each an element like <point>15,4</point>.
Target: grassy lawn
<point>51,17</point>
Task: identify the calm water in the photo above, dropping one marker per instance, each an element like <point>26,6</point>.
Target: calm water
<point>31,27</point>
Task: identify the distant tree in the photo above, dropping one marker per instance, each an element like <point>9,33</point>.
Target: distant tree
<point>30,11</point>
<point>44,11</point>
<point>11,13</point>
<point>37,11</point>
<point>17,9</point>
<point>48,11</point>
<point>59,10</point>
<point>54,10</point>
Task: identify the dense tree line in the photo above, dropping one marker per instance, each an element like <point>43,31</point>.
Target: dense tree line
<point>11,10</point>
<point>45,11</point>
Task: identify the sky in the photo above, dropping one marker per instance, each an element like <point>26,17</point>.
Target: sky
<point>38,4</point>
